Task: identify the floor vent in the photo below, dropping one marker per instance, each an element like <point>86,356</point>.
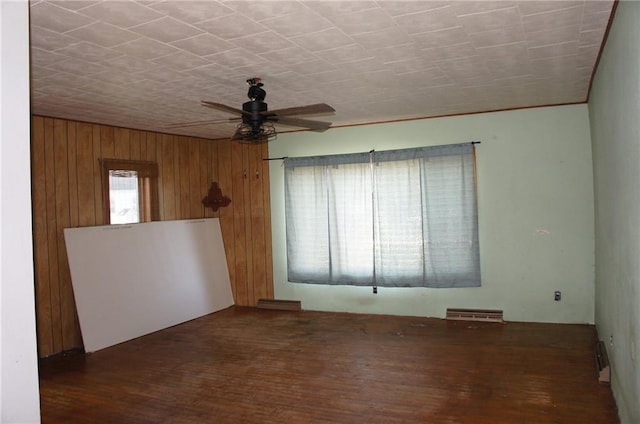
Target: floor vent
<point>487,315</point>
<point>602,361</point>
<point>281,305</point>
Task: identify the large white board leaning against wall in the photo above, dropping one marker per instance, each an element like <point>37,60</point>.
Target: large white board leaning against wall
<point>132,280</point>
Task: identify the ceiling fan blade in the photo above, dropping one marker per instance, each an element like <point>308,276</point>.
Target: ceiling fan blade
<point>220,106</point>
<point>315,109</point>
<point>205,122</point>
<point>297,122</point>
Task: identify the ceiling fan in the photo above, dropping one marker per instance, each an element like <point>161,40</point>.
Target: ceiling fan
<point>256,120</point>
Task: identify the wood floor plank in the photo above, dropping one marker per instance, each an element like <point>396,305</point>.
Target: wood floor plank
<point>263,366</point>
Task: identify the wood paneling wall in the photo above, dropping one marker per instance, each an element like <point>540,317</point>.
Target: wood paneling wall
<point>67,192</point>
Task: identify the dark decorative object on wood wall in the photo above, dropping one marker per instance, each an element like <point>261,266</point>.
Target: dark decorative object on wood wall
<point>214,198</point>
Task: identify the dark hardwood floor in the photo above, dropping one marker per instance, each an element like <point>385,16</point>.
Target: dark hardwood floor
<point>245,365</point>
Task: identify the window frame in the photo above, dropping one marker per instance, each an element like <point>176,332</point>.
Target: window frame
<point>145,170</point>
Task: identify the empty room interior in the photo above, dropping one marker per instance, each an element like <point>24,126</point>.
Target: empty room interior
<point>320,211</point>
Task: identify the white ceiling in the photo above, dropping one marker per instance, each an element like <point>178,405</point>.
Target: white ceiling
<point>145,64</point>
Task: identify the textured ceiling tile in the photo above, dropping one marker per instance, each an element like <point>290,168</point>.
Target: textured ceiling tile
<point>323,40</point>
<point>450,52</point>
<point>428,21</point>
<point>597,6</point>
<point>236,58</point>
<point>494,19</point>
<point>369,20</point>
<point>332,77</point>
<point>57,90</point>
<point>592,38</point>
<point>553,36</point>
<point>536,7</point>
<point>593,21</point>
<point>367,64</point>
<point>41,97</point>
<point>554,50</point>
<point>103,88</point>
<point>50,40</point>
<point>345,54</point>
<point>397,53</point>
<point>119,78</point>
<point>41,57</point>
<point>49,16</point>
<point>288,56</point>
<point>129,64</point>
<point>427,70</point>
<point>89,52</point>
<point>203,44</point>
<point>162,75</point>
<point>549,20</point>
<point>124,14</point>
<point>516,81</point>
<point>264,9</point>
<point>264,42</point>
<point>76,67</point>
<point>39,73</point>
<point>468,67</point>
<point>103,34</point>
<point>208,71</point>
<point>511,51</point>
<point>496,37</point>
<point>388,37</point>
<point>399,8</point>
<point>549,67</point>
<point>338,7</point>
<point>232,26</point>
<point>150,88</point>
<point>301,21</point>
<point>181,61</point>
<point>167,29</point>
<point>192,11</point>
<point>471,81</point>
<point>447,36</point>
<point>499,68</point>
<point>587,56</point>
<point>145,48</point>
<point>266,70</point>
<point>471,7</point>
<point>75,4</point>
<point>311,67</point>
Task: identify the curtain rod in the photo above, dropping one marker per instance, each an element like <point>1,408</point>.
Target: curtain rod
<point>471,142</point>
<point>370,151</point>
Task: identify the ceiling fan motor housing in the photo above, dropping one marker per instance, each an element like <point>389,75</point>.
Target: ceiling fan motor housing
<point>254,116</point>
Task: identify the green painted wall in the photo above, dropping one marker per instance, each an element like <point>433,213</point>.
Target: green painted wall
<point>535,200</point>
<point>614,108</point>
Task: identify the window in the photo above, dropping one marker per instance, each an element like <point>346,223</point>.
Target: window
<point>130,191</point>
<point>402,218</point>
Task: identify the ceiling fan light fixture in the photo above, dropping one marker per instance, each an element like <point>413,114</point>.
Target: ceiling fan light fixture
<point>255,135</point>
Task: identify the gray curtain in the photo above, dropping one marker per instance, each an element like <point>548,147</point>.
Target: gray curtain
<point>402,218</point>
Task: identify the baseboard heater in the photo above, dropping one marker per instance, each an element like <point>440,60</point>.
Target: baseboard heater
<point>602,362</point>
<point>486,315</point>
<point>281,305</point>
